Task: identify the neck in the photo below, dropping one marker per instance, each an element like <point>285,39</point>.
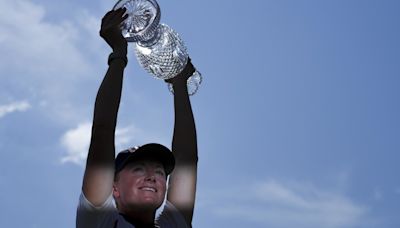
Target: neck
<point>140,218</point>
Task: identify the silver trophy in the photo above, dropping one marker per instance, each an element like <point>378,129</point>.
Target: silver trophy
<point>159,49</point>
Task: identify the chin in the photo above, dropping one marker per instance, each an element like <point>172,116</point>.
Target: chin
<point>148,206</point>
<point>155,205</point>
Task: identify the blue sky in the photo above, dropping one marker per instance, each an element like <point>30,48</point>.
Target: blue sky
<point>297,117</point>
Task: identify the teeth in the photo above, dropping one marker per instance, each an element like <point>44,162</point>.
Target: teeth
<point>149,189</point>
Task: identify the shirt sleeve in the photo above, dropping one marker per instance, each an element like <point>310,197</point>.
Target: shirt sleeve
<point>89,216</point>
<point>170,217</point>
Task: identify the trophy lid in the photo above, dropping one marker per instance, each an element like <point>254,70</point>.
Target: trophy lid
<point>144,17</point>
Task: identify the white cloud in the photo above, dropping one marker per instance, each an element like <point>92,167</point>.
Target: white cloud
<point>275,204</point>
<point>49,60</point>
<point>76,141</point>
<point>58,64</point>
<point>37,46</point>
<point>20,106</point>
<point>124,137</point>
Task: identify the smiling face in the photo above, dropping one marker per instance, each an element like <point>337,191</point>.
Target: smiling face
<point>140,185</point>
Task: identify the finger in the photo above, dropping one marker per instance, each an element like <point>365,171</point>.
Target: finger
<point>123,18</point>
<point>119,12</point>
<point>191,68</point>
<point>114,13</point>
<point>108,17</point>
<point>118,21</point>
<point>116,18</point>
<point>189,65</point>
<point>123,9</point>
<point>108,13</point>
<point>120,17</point>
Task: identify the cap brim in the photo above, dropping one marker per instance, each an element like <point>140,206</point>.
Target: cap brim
<point>152,151</point>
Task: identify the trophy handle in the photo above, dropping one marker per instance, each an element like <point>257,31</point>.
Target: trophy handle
<point>193,83</point>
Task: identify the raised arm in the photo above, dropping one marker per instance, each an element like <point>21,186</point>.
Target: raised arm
<point>99,173</point>
<point>182,182</point>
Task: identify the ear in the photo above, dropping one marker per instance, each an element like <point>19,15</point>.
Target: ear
<point>115,190</point>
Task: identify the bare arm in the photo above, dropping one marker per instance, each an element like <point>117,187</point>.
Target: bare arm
<point>99,173</point>
<point>182,182</point>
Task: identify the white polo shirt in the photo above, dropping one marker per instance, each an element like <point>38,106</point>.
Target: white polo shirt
<point>107,216</point>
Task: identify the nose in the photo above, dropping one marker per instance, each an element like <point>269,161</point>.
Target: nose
<point>151,178</point>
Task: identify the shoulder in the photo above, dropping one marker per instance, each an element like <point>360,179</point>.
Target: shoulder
<point>97,217</point>
<point>170,217</point>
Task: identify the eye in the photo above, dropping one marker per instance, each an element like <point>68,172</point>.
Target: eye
<point>160,172</point>
<point>136,169</point>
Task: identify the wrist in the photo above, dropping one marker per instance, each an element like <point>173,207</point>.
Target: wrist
<point>180,86</point>
<point>121,50</point>
<point>117,56</point>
